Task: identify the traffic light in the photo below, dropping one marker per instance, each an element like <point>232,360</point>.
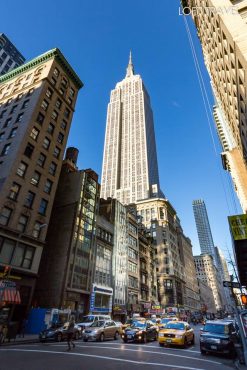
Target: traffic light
<point>244,299</point>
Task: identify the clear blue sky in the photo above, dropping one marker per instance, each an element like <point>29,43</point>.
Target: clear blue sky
<point>96,36</point>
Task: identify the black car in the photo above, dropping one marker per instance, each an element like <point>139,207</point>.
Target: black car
<point>218,337</point>
<point>58,333</point>
<point>139,331</point>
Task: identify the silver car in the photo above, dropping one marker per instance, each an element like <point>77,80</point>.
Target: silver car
<point>101,330</point>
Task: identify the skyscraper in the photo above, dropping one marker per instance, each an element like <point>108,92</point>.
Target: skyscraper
<point>37,102</point>
<point>130,168</point>
<point>10,57</point>
<point>203,228</point>
<point>222,29</point>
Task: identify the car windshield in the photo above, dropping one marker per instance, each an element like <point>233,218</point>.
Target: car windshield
<point>97,324</point>
<point>138,324</point>
<point>216,328</point>
<point>165,321</point>
<point>87,319</point>
<point>175,325</point>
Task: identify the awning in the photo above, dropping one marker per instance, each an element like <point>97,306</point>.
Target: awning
<point>10,295</point>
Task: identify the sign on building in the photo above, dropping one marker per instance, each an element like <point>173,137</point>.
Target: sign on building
<point>238,225</point>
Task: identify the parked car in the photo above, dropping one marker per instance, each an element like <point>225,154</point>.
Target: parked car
<point>58,333</point>
<point>176,332</point>
<point>139,331</point>
<point>101,330</point>
<point>90,319</point>
<point>218,337</point>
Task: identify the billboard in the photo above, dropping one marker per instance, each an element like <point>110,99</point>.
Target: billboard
<point>238,226</point>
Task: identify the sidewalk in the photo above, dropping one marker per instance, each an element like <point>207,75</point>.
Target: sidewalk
<point>28,338</point>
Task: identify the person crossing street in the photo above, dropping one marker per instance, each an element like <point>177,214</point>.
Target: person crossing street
<point>70,333</point>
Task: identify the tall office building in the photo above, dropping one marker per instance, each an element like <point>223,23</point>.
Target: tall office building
<point>223,35</point>
<point>10,57</point>
<point>37,102</point>
<point>203,228</point>
<point>130,168</point>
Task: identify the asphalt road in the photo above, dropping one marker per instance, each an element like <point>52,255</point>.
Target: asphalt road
<point>109,355</point>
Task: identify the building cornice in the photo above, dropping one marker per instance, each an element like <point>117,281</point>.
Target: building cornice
<point>54,53</point>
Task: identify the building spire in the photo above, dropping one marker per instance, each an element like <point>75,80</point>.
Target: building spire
<point>130,69</point>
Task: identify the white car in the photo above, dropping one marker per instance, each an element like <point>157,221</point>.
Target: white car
<point>88,320</point>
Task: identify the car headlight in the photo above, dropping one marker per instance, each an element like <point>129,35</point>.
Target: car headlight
<point>94,331</point>
<point>178,336</point>
<point>224,341</point>
<point>161,334</point>
<point>202,339</point>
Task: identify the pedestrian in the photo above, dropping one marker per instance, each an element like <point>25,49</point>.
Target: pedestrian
<point>22,328</point>
<point>70,333</point>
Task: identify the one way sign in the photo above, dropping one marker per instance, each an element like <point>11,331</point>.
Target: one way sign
<point>231,284</point>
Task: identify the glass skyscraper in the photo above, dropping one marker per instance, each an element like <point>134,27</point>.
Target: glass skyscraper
<point>130,168</point>
<point>203,228</point>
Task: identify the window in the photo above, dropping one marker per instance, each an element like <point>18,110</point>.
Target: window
<point>50,128</point>
<point>34,133</point>
<point>22,169</point>
<point>22,256</point>
<point>53,81</point>
<point>64,82</point>
<point>63,125</point>
<point>7,122</point>
<point>41,160</point>
<point>2,136</point>
<point>56,72</point>
<point>29,150</point>
<point>56,152</point>
<point>19,96</point>
<point>12,132</point>
<point>3,113</point>
<point>22,223</point>
<point>43,206</point>
<point>40,118</point>
<point>25,104</point>
<point>30,92</point>
<point>19,117</point>
<point>35,179</point>
<point>71,92</point>
<point>67,113</point>
<point>54,115</point>
<point>13,110</point>
<point>28,257</point>
<point>44,104</point>
<point>48,186</point>
<point>14,191</point>
<point>5,216</point>
<point>29,199</point>
<point>49,93</point>
<point>132,266</point>
<point>6,149</point>
<point>60,138</point>
<point>52,169</point>
<point>46,143</point>
<point>37,229</point>
<point>70,101</point>
<point>58,103</point>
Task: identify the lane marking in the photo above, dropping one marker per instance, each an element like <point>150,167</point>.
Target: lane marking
<point>160,353</point>
<point>103,357</point>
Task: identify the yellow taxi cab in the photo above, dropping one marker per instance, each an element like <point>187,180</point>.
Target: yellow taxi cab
<point>165,321</point>
<point>176,333</point>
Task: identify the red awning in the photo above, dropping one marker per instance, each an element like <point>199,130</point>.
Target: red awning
<point>10,295</point>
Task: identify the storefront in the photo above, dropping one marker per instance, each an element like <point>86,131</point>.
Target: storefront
<point>101,300</point>
<point>119,313</point>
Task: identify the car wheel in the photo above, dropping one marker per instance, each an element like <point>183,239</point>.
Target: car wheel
<point>144,338</point>
<point>59,337</point>
<point>161,344</point>
<point>102,337</point>
<point>125,340</point>
<point>116,336</point>
<point>203,352</point>
<point>185,343</point>
<point>193,340</point>
<point>85,339</point>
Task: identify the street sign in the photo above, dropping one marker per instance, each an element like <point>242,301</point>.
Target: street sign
<point>231,284</point>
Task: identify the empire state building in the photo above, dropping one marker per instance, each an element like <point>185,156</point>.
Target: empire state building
<point>130,168</point>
